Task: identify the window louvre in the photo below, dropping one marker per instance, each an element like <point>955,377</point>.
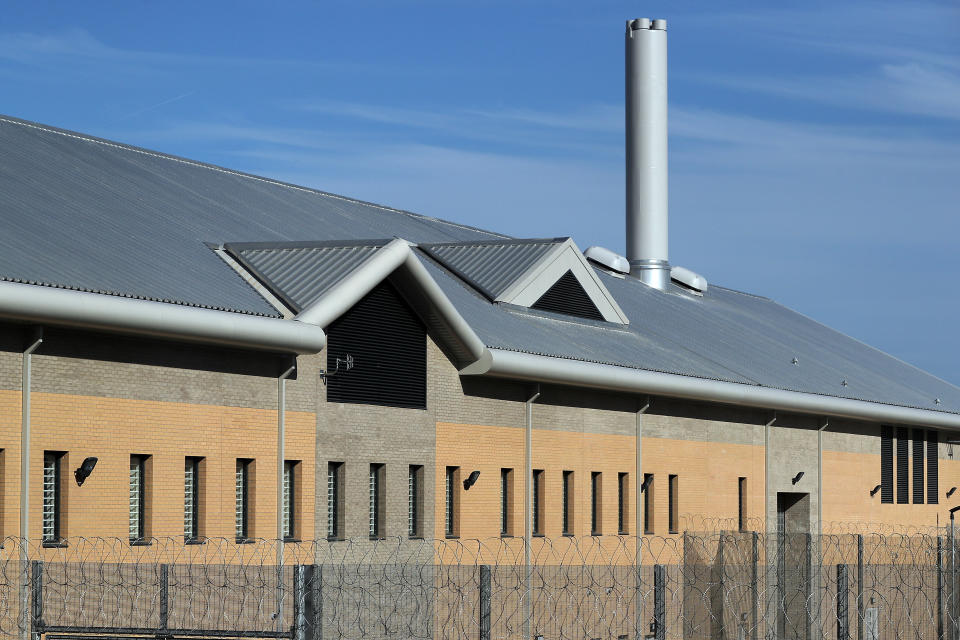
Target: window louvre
<point>918,466</point>
<point>505,528</point>
<point>903,466</point>
<point>595,503</point>
<point>51,497</point>
<point>567,296</point>
<point>623,490</point>
<point>388,345</point>
<point>567,503</point>
<point>673,489</point>
<point>376,498</point>
<point>742,504</point>
<point>137,490</point>
<point>648,504</point>
<point>289,504</point>
<point>886,465</point>
<point>191,501</point>
<point>450,496</point>
<point>242,514</point>
<point>538,502</point>
<point>413,501</point>
<point>334,472</point>
<point>933,468</point>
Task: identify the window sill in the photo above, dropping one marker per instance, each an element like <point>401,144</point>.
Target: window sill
<point>506,535</point>
<point>291,540</point>
<point>414,537</point>
<point>450,536</point>
<point>54,544</point>
<point>195,541</point>
<point>568,535</point>
<point>245,540</point>
<point>623,533</point>
<point>536,535</point>
<point>334,539</point>
<point>674,533</point>
<point>140,542</point>
<point>596,534</point>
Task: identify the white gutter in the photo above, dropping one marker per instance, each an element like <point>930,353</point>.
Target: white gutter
<point>49,305</point>
<point>396,259</point>
<point>536,368</point>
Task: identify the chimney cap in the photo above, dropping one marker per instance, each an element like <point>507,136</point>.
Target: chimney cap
<point>638,24</point>
<point>659,25</point>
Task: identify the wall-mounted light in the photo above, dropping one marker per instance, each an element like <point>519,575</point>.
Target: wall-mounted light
<point>471,480</point>
<point>950,493</point>
<point>797,477</point>
<point>873,491</point>
<point>84,470</point>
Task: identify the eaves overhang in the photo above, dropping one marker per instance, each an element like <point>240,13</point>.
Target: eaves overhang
<point>546,369</point>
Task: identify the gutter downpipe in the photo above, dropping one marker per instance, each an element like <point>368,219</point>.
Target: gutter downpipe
<point>528,516</point>
<point>766,474</point>
<point>281,454</point>
<point>826,423</point>
<point>25,384</point>
<point>554,370</point>
<point>638,502</point>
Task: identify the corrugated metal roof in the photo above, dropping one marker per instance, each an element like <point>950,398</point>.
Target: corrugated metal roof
<point>83,213</point>
<point>491,267</point>
<point>299,273</point>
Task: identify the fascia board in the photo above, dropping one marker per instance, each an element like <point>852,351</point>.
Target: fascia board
<point>547,369</point>
<point>550,268</point>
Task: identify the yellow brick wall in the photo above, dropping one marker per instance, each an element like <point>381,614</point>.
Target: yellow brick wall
<point>112,429</point>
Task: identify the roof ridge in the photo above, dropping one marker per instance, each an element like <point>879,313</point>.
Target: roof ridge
<point>241,174</point>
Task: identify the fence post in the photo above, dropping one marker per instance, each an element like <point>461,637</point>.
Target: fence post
<point>940,587</point>
<point>307,602</point>
<point>659,602</point>
<point>755,587</point>
<point>843,616</point>
<point>36,612</point>
<point>485,588</point>
<point>164,596</point>
<point>859,586</point>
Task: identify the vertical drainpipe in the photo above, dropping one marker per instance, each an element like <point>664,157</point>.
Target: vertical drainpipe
<point>25,384</point>
<point>638,501</point>
<point>281,436</point>
<point>528,516</point>
<point>826,423</point>
<point>766,473</point>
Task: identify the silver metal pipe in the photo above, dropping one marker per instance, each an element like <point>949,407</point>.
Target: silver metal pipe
<point>546,369</point>
<point>49,305</point>
<point>25,436</point>
<point>281,454</point>
<point>646,151</point>
<point>528,517</point>
<point>638,499</point>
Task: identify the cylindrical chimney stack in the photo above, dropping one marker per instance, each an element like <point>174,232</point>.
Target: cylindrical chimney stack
<point>646,111</point>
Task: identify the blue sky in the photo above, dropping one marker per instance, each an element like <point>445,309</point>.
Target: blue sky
<point>815,147</point>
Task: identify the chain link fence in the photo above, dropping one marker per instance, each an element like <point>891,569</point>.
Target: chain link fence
<point>698,585</point>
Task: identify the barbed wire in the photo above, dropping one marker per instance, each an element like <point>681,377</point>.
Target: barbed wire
<point>708,584</point>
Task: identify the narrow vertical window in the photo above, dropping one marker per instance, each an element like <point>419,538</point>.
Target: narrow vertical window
<point>742,504</point>
<point>242,504</point>
<point>903,466</point>
<point>918,483</point>
<point>933,468</point>
<point>290,499</point>
<point>376,500</point>
<point>568,501</point>
<point>648,504</point>
<point>596,506</point>
<point>137,497</point>
<point>450,502</point>
<point>414,497</point>
<point>334,508</point>
<point>50,523</point>
<point>674,499</point>
<point>886,465</point>
<point>191,498</point>
<point>538,502</point>
<point>623,497</point>
<point>506,482</point>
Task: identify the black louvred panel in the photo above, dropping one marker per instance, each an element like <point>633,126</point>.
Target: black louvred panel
<point>886,465</point>
<point>918,466</point>
<point>903,466</point>
<point>933,468</point>
<point>567,296</point>
<point>388,344</point>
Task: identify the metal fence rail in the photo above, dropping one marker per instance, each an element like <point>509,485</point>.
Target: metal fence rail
<point>709,585</point>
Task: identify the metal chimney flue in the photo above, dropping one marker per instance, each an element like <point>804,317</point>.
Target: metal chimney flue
<point>646,140</point>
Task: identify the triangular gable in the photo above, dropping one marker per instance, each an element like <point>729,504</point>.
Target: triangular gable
<point>521,272</point>
<point>567,296</point>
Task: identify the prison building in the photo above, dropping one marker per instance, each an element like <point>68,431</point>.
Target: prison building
<point>187,350</point>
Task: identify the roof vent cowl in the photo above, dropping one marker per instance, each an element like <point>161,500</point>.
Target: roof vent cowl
<point>607,258</point>
<point>688,279</point>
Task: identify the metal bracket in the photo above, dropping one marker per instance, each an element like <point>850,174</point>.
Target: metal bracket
<point>347,363</point>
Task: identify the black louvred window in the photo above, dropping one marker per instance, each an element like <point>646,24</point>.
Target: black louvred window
<point>388,344</point>
<point>903,466</point>
<point>933,470</point>
<point>886,465</point>
<point>567,296</point>
<point>918,466</point>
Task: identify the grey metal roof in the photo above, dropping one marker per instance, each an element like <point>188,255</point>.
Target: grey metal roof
<point>297,272</point>
<point>84,213</point>
<point>491,266</point>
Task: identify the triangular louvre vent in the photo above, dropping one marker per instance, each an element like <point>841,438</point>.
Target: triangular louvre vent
<point>567,296</point>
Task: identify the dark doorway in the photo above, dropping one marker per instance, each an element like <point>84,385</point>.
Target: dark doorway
<point>793,556</point>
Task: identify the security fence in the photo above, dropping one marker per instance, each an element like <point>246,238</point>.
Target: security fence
<point>717,585</point>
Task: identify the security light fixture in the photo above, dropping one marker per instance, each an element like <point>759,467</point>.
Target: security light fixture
<point>950,493</point>
<point>797,477</point>
<point>84,470</point>
<point>471,480</point>
<point>873,491</point>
